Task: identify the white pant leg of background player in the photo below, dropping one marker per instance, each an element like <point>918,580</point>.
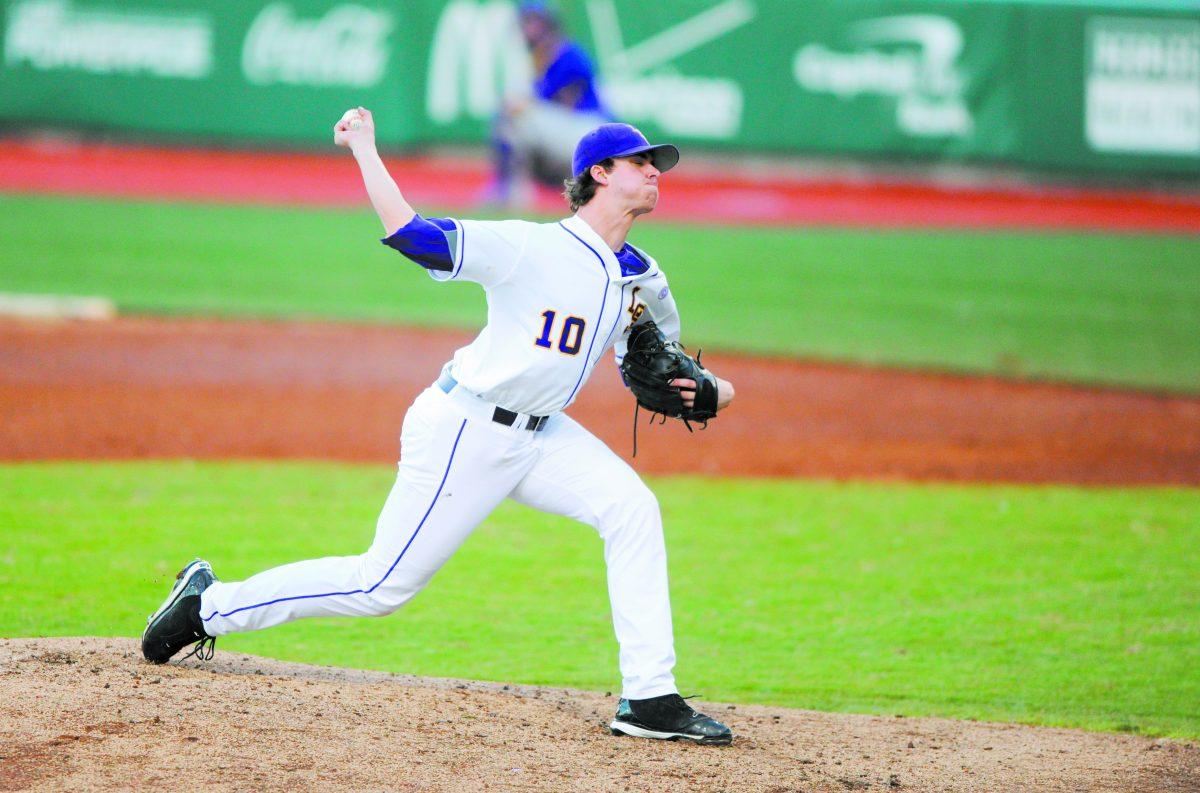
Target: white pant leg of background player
<point>551,130</point>
<point>579,477</point>
<point>433,507</point>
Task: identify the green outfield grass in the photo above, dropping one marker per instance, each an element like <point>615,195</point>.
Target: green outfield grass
<point>1046,605</point>
<point>1121,309</point>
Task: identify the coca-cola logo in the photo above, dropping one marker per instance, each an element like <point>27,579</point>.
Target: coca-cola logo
<point>347,46</point>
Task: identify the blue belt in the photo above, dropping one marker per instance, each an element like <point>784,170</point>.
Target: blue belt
<point>446,382</point>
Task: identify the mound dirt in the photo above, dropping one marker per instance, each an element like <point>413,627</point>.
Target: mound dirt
<point>86,713</point>
<point>203,389</point>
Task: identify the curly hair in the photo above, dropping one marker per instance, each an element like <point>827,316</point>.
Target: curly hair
<point>579,190</point>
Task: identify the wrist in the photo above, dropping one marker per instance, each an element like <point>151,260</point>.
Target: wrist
<point>724,393</point>
<point>363,147</point>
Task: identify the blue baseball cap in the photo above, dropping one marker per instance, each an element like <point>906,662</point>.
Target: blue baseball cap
<point>537,8</point>
<point>620,140</point>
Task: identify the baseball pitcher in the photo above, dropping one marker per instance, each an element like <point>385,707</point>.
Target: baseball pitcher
<point>491,425</point>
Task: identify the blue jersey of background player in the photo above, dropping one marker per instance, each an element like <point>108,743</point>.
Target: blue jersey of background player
<point>534,139</point>
<point>568,78</point>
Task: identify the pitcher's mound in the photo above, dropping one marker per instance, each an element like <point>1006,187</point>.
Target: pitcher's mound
<point>87,713</point>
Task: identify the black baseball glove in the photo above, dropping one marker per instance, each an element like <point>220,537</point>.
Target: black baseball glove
<point>652,362</point>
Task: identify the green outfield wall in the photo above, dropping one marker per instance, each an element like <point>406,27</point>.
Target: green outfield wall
<point>1101,86</point>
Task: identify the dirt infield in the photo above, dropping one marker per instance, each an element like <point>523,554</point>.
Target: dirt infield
<point>190,388</point>
<point>86,714</point>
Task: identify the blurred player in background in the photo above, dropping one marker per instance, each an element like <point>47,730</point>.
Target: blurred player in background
<point>534,139</point>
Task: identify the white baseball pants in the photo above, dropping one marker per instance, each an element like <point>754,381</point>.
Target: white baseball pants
<point>456,466</point>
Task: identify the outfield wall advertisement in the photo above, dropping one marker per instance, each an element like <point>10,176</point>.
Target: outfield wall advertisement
<point>1109,86</point>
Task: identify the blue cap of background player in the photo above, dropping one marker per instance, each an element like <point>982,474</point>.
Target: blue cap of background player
<point>537,8</point>
<point>620,140</point>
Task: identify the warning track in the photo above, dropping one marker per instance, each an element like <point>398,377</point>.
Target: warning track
<point>693,193</point>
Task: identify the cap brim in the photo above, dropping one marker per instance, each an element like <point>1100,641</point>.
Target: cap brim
<point>665,156</point>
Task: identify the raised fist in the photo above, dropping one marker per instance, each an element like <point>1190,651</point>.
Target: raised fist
<point>355,125</point>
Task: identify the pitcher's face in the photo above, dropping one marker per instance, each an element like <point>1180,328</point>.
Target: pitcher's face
<point>633,183</point>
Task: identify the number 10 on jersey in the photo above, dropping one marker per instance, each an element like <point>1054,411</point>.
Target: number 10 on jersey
<point>570,335</point>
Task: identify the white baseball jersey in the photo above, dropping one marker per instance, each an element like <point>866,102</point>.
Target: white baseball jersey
<point>557,298</point>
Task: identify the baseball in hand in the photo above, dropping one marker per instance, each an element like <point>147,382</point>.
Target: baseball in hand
<point>352,119</point>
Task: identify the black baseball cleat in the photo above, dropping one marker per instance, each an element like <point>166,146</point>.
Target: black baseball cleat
<point>668,718</point>
<point>177,623</point>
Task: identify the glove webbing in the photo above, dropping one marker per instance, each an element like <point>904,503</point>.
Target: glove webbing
<point>637,406</point>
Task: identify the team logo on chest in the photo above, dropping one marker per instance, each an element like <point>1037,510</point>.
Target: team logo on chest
<point>636,307</point>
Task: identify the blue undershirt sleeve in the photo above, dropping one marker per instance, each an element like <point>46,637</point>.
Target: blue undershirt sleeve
<point>427,241</point>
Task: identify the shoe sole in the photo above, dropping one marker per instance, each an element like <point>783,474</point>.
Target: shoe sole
<point>625,728</point>
<point>181,583</point>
